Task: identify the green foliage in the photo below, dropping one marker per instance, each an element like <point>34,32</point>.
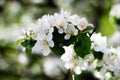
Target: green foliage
<point>82,42</point>
<point>70,41</point>
<point>57,50</point>
<point>98,55</point>
<point>59,42</point>
<point>106,27</point>
<point>28,44</point>
<point>117,21</point>
<point>20,40</point>
<point>58,38</point>
<point>82,45</point>
<point>98,68</point>
<point>88,29</point>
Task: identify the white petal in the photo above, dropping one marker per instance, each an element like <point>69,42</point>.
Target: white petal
<point>108,75</point>
<point>60,31</point>
<point>37,48</point>
<point>51,30</point>
<point>46,51</point>
<point>75,32</point>
<point>51,43</point>
<point>69,65</point>
<point>77,70</point>
<point>67,37</point>
<point>40,36</point>
<point>49,37</point>
<point>83,23</point>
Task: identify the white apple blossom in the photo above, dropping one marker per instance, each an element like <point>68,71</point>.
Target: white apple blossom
<point>114,40</point>
<point>111,61</point>
<point>89,62</point>
<point>74,19</point>
<point>99,42</point>
<point>76,63</point>
<point>43,47</point>
<point>65,13</point>
<point>44,36</point>
<point>72,61</point>
<point>115,11</point>
<point>82,24</point>
<point>70,31</point>
<point>60,23</point>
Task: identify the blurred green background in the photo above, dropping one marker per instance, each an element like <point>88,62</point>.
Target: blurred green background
<point>15,15</point>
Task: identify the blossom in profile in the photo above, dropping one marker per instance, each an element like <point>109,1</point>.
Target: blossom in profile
<point>99,42</point>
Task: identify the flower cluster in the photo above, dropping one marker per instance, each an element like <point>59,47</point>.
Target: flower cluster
<point>70,37</point>
<point>99,42</point>
<point>108,65</point>
<point>75,63</point>
<point>110,61</point>
<point>50,27</point>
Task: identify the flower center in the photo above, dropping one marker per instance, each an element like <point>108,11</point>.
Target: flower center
<point>82,24</point>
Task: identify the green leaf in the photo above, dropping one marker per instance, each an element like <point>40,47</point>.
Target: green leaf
<point>20,40</point>
<point>58,38</point>
<point>28,44</point>
<point>25,43</point>
<point>98,68</point>
<point>98,55</point>
<point>70,41</point>
<point>117,21</point>
<point>88,29</point>
<point>82,45</point>
<point>32,42</point>
<point>57,50</point>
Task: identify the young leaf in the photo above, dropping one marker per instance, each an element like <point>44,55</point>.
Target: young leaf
<point>57,50</point>
<point>20,40</point>
<point>28,44</point>
<point>88,29</point>
<point>82,45</point>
